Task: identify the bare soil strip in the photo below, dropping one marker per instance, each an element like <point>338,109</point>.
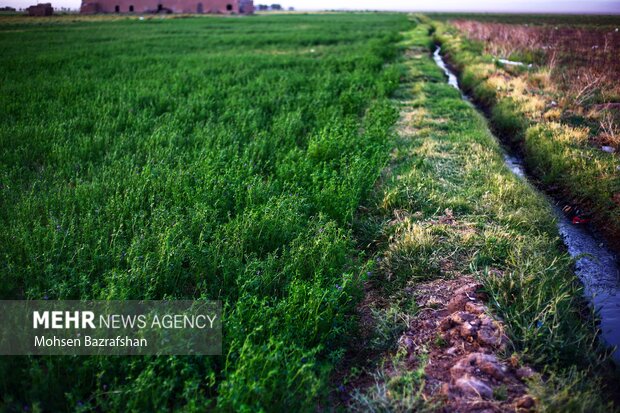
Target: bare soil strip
<point>464,344</point>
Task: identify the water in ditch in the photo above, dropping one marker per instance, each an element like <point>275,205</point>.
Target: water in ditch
<point>596,266</point>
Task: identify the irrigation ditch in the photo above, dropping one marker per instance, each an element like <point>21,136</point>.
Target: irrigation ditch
<point>595,263</point>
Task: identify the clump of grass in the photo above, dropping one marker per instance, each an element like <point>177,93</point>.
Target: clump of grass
<point>508,121</point>
<point>500,393</point>
<point>396,388</point>
<point>389,323</point>
<point>569,391</point>
<point>440,341</point>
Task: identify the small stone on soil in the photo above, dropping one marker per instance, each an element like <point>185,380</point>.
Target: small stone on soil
<point>524,373</point>
<point>525,403</point>
<point>471,386</point>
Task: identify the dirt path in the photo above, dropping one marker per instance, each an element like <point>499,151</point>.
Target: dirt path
<point>449,353</point>
<point>462,343</point>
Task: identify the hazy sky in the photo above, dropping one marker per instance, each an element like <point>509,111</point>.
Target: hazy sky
<point>545,6</point>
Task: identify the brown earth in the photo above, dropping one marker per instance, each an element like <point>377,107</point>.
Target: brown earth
<point>464,345</point>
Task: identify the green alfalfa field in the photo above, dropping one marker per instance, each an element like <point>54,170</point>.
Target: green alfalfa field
<point>260,161</point>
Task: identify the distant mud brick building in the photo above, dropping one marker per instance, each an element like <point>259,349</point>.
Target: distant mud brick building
<point>168,6</point>
<point>43,9</point>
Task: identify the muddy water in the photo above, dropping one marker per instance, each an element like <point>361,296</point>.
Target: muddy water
<point>596,265</point>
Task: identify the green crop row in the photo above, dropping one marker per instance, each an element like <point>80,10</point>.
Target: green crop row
<point>201,158</point>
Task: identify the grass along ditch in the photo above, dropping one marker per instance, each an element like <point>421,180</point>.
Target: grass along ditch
<point>565,129</point>
<point>596,265</point>
<point>449,219</point>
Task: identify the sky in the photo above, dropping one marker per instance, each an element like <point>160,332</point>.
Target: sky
<point>544,6</point>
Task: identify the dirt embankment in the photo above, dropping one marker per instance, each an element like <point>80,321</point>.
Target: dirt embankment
<point>464,345</point>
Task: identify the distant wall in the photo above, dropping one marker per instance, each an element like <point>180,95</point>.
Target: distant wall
<point>43,9</point>
<point>168,6</point>
<point>246,6</point>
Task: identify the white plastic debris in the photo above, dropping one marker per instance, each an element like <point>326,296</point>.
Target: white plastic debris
<point>513,63</point>
<point>608,149</point>
<point>510,62</point>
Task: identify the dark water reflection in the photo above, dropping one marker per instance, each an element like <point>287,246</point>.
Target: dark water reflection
<point>596,266</point>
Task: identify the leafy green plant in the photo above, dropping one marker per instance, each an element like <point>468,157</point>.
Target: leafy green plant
<point>192,158</point>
